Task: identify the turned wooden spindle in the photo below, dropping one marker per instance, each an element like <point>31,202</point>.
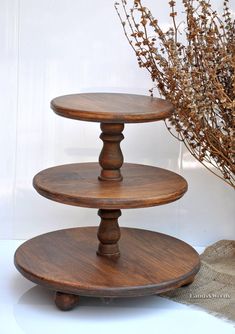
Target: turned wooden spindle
<point>111,158</point>
<point>109,233</point>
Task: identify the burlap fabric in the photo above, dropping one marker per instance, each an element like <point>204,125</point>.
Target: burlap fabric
<point>214,286</point>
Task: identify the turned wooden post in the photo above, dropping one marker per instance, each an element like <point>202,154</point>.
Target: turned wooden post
<point>111,158</point>
<point>109,233</point>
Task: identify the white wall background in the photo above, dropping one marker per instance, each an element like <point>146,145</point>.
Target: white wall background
<point>55,47</point>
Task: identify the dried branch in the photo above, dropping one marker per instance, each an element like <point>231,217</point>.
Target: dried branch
<point>197,76</point>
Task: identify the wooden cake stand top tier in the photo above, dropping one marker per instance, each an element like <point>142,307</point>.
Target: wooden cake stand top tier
<point>112,107</point>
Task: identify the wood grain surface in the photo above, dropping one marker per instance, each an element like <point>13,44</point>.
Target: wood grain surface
<point>112,107</point>
<point>78,184</point>
<point>66,261</point>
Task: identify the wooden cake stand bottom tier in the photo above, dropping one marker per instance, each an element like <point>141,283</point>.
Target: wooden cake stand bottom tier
<point>66,261</point>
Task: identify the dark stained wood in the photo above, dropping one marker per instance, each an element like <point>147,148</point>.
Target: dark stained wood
<point>112,107</point>
<point>65,301</point>
<point>111,158</point>
<point>109,233</point>
<point>78,184</point>
<point>140,262</point>
<point>66,261</point>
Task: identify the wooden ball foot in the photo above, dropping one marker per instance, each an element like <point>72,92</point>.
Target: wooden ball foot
<point>65,301</point>
<point>187,283</point>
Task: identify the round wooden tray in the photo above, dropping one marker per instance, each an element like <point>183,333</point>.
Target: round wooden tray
<point>66,261</point>
<point>78,184</point>
<point>112,107</point>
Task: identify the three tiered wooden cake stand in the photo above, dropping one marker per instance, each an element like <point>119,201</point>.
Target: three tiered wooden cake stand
<point>72,262</point>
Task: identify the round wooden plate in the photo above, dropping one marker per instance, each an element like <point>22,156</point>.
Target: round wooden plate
<point>112,107</point>
<point>78,184</point>
<point>66,261</point>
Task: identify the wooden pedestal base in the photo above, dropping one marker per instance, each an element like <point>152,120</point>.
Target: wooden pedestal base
<point>66,262</point>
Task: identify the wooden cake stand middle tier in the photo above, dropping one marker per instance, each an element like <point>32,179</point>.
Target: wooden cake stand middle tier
<point>78,184</point>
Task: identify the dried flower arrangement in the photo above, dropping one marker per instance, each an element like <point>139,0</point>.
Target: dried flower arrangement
<point>197,76</point>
